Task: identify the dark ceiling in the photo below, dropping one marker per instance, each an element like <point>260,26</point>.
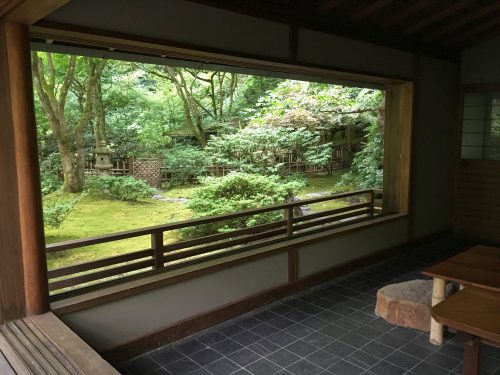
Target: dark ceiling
<point>434,27</point>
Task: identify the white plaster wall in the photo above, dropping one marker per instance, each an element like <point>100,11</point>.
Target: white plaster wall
<point>481,63</point>
<point>118,322</point>
<point>321,256</point>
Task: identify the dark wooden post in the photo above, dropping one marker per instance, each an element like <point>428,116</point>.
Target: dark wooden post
<point>371,199</point>
<point>157,246</point>
<point>24,206</point>
<point>471,356</point>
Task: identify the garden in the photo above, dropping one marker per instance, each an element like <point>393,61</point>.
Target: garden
<point>225,142</point>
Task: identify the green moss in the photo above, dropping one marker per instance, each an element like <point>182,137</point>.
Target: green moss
<point>94,216</point>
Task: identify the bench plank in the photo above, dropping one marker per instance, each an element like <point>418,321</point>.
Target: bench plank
<point>472,310</point>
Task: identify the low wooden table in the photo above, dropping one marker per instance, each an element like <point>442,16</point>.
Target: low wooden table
<point>476,312</point>
<point>478,266</point>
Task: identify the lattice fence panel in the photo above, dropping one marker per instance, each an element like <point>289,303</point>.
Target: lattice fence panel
<point>148,170</point>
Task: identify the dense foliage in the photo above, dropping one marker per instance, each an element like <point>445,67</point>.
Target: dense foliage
<point>242,191</point>
<point>367,167</point>
<point>184,162</point>
<point>258,149</point>
<point>124,188</point>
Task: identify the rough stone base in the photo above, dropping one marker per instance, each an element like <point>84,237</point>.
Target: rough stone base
<point>407,304</point>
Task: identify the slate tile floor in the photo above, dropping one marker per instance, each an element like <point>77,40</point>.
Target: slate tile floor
<point>329,329</point>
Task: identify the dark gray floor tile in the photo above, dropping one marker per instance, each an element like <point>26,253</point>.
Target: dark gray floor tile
<point>230,330</point>
<point>376,349</point>
<point>394,342</point>
<point>264,330</point>
<point>189,346</point>
<point>263,366</point>
<point>334,331</point>
<point>405,333</point>
<point>210,338</point>
<point>362,359</point>
<point>160,371</point>
<point>361,317</point>
<point>205,356</point>
<point>348,324</point>
<point>416,350</point>
<point>283,357</point>
<point>244,357</point>
<point>282,338</point>
<point>166,355</point>
<point>322,358</point>
<point>444,361</point>
<point>227,346</point>
<point>310,309</point>
<point>184,366</point>
<point>386,368</point>
<point>369,332</point>
<point>314,323</point>
<point>141,365</point>
<point>242,372</point>
<point>345,368</point>
<point>402,360</point>
<point>264,347</point>
<point>264,315</point>
<point>248,322</point>
<point>425,368</point>
<point>301,348</point>
<point>281,322</point>
<point>354,340</point>
<point>339,349</point>
<point>318,339</point>
<point>296,315</point>
<point>299,330</point>
<point>223,366</point>
<point>246,338</point>
<point>304,367</point>
<point>328,316</point>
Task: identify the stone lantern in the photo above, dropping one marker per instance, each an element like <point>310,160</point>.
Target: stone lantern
<point>103,159</point>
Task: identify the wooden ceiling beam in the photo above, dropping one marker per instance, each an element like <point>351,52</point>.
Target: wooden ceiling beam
<point>445,13</point>
<point>407,12</point>
<point>29,11</point>
<point>474,31</point>
<point>370,9</point>
<point>471,17</point>
<point>328,5</point>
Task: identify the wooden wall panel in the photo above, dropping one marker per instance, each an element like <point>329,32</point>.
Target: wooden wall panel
<point>477,200</point>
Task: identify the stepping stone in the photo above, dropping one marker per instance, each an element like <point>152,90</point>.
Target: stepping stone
<point>407,304</point>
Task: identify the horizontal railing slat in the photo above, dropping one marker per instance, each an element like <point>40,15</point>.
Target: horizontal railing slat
<point>99,275</point>
<point>99,263</point>
<point>330,219</point>
<point>330,212</point>
<point>224,245</point>
<point>60,246</point>
<point>222,236</point>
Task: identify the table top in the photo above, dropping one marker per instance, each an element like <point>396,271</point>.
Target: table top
<point>478,266</point>
<point>472,310</point>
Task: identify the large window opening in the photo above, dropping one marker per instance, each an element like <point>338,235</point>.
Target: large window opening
<point>199,164</point>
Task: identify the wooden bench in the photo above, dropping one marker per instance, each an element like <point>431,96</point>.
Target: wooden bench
<point>476,267</point>
<point>476,312</point>
<point>44,345</point>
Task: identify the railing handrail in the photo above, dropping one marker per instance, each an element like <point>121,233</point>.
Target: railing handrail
<point>71,244</point>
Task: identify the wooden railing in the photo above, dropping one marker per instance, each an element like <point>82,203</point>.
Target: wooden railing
<point>160,257</point>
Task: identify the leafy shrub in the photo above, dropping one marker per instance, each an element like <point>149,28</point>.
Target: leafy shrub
<point>125,188</point>
<point>55,214</point>
<point>241,191</point>
<point>49,183</point>
<point>367,170</point>
<point>257,149</point>
<point>185,162</point>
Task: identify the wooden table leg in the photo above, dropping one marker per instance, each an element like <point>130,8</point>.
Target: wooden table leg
<point>471,356</point>
<point>438,295</point>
